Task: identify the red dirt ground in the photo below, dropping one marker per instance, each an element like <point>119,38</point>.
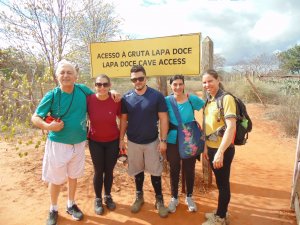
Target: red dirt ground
<point>261,182</point>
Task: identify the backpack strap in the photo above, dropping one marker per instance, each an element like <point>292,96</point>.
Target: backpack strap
<point>219,102</point>
<point>220,107</point>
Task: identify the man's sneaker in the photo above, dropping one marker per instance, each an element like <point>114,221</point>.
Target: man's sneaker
<point>212,214</point>
<point>159,205</point>
<point>98,206</point>
<point>191,204</point>
<point>109,202</point>
<point>172,205</point>
<point>52,219</point>
<point>75,212</point>
<point>216,220</point>
<point>137,205</point>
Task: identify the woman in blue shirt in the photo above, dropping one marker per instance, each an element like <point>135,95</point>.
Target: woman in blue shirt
<point>186,105</point>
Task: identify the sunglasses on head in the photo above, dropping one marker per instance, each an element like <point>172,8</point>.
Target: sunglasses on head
<point>102,84</point>
<point>140,79</point>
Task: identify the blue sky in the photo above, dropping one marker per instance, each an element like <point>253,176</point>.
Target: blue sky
<point>240,29</point>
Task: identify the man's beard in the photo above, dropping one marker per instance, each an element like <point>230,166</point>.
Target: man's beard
<point>140,88</point>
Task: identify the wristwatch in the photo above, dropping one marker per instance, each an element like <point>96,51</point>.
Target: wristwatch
<point>163,140</point>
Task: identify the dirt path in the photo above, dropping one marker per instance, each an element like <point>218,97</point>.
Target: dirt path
<point>261,185</point>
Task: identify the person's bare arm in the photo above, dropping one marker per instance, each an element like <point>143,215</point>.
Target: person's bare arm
<point>123,128</point>
<point>164,128</point>
<point>226,142</point>
<point>116,96</point>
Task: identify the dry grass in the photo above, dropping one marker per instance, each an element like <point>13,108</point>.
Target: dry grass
<point>287,111</point>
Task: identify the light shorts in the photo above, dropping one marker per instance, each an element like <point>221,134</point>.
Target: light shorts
<point>144,157</point>
<point>62,161</point>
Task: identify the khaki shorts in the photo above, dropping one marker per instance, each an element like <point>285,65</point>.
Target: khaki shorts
<point>144,157</point>
<point>62,161</point>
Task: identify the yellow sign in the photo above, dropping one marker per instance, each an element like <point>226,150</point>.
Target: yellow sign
<point>162,56</point>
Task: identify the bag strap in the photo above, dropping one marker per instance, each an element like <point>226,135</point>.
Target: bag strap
<point>190,102</point>
<point>175,110</point>
<point>82,90</point>
<point>192,106</point>
<point>69,105</point>
<point>52,100</point>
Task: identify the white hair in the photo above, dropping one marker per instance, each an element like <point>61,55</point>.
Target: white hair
<point>65,62</point>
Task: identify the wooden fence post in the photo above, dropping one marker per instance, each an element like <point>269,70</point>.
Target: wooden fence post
<point>296,177</point>
<point>163,88</point>
<point>207,63</point>
<point>207,56</point>
<point>254,89</point>
<point>296,182</point>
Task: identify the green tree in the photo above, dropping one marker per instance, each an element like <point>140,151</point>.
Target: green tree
<point>290,59</point>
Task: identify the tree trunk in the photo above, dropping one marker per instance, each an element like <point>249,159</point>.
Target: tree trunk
<point>162,85</point>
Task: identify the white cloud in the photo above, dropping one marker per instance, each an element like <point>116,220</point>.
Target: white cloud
<point>270,26</point>
<point>239,29</point>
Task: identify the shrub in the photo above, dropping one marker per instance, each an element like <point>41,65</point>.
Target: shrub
<point>288,112</point>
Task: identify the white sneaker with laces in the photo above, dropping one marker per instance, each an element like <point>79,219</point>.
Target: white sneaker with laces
<point>191,204</point>
<point>173,204</point>
<point>215,220</point>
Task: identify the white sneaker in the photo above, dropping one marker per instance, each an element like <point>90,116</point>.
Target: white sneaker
<point>212,214</point>
<point>173,204</point>
<point>191,204</point>
<point>215,220</point>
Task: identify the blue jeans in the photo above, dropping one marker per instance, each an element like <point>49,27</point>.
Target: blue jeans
<point>222,179</point>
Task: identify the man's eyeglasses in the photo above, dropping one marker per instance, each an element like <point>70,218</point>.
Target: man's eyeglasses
<point>102,84</point>
<point>140,79</point>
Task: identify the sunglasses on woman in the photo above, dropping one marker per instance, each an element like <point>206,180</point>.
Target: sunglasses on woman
<point>102,84</point>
